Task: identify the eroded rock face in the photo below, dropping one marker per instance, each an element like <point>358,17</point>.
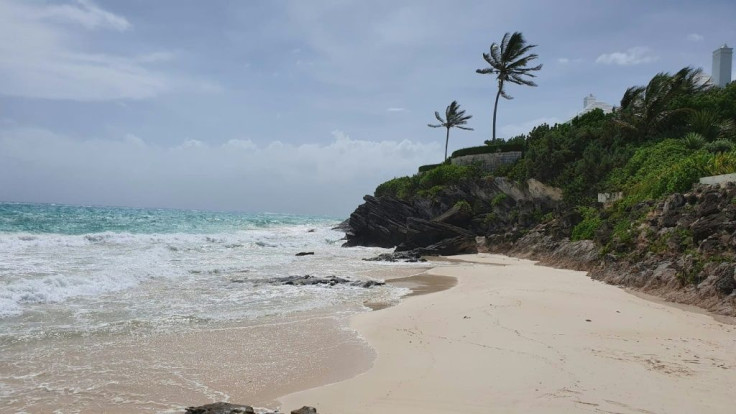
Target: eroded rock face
<point>471,209</point>
<point>685,249</point>
<point>379,222</point>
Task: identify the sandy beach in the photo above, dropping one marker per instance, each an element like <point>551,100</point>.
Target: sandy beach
<point>512,337</point>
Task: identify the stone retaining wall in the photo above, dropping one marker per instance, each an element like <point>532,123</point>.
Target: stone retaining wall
<point>488,162</point>
<point>718,179</point>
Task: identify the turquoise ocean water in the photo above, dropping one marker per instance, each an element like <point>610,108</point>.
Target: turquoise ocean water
<point>106,273</point>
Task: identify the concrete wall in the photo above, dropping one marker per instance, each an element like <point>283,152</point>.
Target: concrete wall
<point>609,197</point>
<point>488,162</point>
<point>718,179</point>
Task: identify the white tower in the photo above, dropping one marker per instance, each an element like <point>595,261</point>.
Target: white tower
<point>588,101</point>
<point>722,65</point>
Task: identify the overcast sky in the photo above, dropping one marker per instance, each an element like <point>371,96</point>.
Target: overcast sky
<point>298,106</point>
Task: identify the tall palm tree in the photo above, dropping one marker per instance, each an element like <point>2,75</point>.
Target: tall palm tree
<point>509,64</point>
<point>454,118</point>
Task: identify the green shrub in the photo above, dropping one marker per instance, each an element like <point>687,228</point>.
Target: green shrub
<point>489,218</point>
<point>431,192</point>
<point>694,141</point>
<point>464,207</point>
<point>488,149</point>
<point>664,168</point>
<point>402,188</point>
<point>498,199</point>
<point>585,230</point>
<point>447,174</point>
<point>720,145</point>
<point>425,168</point>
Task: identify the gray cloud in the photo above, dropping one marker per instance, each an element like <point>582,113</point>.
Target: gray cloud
<point>632,56</point>
<point>38,165</point>
<point>84,13</point>
<point>43,62</point>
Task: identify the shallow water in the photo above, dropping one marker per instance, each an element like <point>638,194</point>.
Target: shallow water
<point>106,309</point>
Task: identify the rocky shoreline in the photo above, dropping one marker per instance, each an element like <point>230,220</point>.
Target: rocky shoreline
<point>681,249</point>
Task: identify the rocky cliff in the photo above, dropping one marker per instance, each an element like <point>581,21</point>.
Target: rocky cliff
<point>452,217</point>
<point>682,248</point>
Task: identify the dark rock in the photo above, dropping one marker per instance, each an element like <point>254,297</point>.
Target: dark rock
<point>709,203</point>
<point>221,408</point>
<point>343,226</point>
<point>409,256</point>
<point>423,233</point>
<point>674,202</point>
<point>725,280</point>
<point>368,283</point>
<point>706,226</point>
<point>669,218</point>
<point>304,254</point>
<point>305,410</point>
<point>449,247</point>
<point>456,216</point>
<point>710,246</point>
<point>496,203</point>
<point>379,222</point>
<point>308,280</point>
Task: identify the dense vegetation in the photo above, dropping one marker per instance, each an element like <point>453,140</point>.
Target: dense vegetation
<point>661,139</point>
<point>427,183</point>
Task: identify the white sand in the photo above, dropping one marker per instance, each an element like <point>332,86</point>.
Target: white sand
<point>514,339</point>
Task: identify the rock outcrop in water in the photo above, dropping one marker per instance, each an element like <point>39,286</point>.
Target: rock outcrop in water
<point>308,280</point>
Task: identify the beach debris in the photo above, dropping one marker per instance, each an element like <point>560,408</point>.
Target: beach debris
<point>588,320</point>
<point>221,408</point>
<point>305,410</point>
<point>304,254</point>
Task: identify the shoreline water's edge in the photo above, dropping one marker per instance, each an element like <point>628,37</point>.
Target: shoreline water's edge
<point>419,283</point>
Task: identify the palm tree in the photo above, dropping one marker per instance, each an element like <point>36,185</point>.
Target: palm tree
<point>647,111</point>
<point>454,118</point>
<point>509,64</point>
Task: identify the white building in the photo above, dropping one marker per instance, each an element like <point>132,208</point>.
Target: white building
<point>721,73</point>
<point>590,103</point>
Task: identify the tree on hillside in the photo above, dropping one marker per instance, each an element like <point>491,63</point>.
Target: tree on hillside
<point>454,118</point>
<point>509,62</point>
<point>647,111</point>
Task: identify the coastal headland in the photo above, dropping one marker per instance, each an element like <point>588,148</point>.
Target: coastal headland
<point>515,337</point>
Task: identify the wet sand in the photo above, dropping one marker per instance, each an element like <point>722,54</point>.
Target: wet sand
<point>251,361</point>
<point>513,337</point>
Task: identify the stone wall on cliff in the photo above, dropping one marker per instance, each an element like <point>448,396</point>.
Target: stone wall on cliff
<point>488,162</point>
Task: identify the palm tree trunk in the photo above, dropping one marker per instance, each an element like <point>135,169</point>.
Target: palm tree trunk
<point>447,140</point>
<point>495,108</point>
